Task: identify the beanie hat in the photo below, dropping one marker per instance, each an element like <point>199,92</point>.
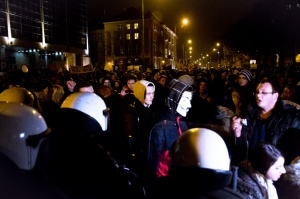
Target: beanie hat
<point>246,73</point>
<point>187,79</point>
<point>176,89</point>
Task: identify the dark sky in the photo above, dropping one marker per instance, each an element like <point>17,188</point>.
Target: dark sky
<point>208,18</point>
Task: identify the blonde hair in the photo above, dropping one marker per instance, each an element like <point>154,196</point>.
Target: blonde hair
<point>58,92</point>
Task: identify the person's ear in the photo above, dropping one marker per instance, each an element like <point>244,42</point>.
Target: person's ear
<point>276,95</point>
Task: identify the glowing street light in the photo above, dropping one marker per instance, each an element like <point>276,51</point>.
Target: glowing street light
<point>217,50</point>
<point>185,21</point>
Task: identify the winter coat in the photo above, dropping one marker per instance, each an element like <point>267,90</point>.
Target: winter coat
<point>193,183</point>
<point>248,183</point>
<point>162,137</point>
<point>283,117</point>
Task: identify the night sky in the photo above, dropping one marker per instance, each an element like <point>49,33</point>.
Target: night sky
<point>208,18</point>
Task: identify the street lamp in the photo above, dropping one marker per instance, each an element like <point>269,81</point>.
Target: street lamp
<point>218,48</point>
<point>183,22</point>
<point>218,54</point>
<point>143,33</point>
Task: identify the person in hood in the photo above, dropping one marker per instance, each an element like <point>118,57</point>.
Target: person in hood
<point>136,121</point>
<point>143,91</point>
<point>168,127</point>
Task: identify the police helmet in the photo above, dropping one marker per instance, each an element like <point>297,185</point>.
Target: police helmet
<point>90,104</point>
<point>18,95</point>
<point>22,128</point>
<point>203,148</point>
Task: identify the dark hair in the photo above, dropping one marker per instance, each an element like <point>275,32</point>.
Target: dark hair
<point>106,78</point>
<point>162,76</point>
<point>263,156</point>
<point>202,79</point>
<point>131,77</point>
<point>81,84</point>
<point>273,83</point>
<point>154,71</point>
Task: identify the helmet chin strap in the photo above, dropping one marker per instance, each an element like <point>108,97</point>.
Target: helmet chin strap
<point>34,140</point>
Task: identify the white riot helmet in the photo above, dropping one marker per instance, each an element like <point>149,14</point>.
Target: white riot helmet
<point>203,148</point>
<point>18,95</point>
<point>90,104</point>
<point>22,128</point>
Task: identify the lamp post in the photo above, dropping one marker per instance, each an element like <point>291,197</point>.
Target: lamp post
<point>183,23</point>
<point>143,33</point>
<point>217,50</point>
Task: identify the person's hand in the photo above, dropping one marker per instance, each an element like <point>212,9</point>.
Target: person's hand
<point>123,92</point>
<point>236,126</point>
<point>71,84</point>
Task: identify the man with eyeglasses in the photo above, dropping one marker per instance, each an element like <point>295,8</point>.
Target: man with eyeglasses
<point>265,122</point>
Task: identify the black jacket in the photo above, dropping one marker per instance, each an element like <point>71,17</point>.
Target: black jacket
<point>162,137</point>
<point>283,117</point>
<point>193,183</point>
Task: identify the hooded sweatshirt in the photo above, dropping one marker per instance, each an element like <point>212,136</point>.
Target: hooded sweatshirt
<point>166,131</point>
<point>139,90</point>
<point>176,89</point>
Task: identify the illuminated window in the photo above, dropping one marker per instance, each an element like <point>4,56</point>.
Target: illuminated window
<point>136,35</point>
<point>120,27</point>
<point>154,27</point>
<point>136,25</point>
<point>128,26</point>
<point>128,36</point>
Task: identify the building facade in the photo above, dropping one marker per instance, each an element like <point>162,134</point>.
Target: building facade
<point>129,41</point>
<point>43,34</point>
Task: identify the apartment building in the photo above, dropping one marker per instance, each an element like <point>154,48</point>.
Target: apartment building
<point>130,41</point>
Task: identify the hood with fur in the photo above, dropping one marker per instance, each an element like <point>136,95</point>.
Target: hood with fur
<point>139,89</point>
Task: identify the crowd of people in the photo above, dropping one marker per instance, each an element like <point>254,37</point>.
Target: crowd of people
<point>147,134</point>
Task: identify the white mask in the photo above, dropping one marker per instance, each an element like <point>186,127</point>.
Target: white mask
<point>184,103</point>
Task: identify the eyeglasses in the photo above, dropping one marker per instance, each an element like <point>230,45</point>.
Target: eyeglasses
<point>263,93</point>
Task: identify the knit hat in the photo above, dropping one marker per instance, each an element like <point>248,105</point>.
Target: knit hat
<point>176,89</point>
<point>187,79</point>
<point>246,73</point>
